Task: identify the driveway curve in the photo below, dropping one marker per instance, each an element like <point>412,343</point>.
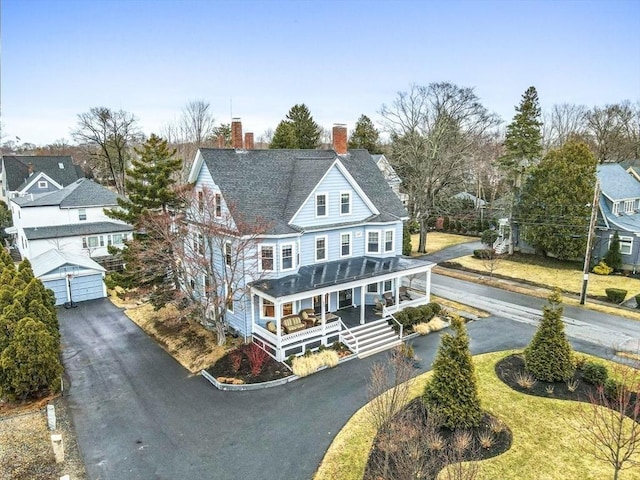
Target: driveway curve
<point>139,415</point>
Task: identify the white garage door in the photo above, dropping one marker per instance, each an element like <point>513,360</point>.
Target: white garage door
<point>85,287</point>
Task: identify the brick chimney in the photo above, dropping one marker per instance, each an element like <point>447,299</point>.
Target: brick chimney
<point>248,141</point>
<point>236,133</point>
<point>340,138</point>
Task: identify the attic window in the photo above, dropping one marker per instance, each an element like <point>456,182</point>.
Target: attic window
<point>61,165</point>
<point>43,184</point>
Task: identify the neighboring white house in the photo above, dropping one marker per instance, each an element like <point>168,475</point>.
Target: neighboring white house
<point>71,220</point>
<point>35,175</point>
<point>391,177</point>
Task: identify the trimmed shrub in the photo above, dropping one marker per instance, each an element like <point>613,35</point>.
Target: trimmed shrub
<point>452,391</point>
<point>549,356</point>
<point>612,388</point>
<point>435,307</point>
<point>595,373</point>
<point>489,237</point>
<point>446,224</point>
<point>602,269</point>
<point>424,314</point>
<point>616,295</point>
<point>483,253</point>
<point>637,297</point>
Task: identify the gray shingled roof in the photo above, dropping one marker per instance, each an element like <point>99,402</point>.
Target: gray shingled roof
<point>76,229</point>
<point>616,183</point>
<point>82,193</point>
<point>272,184</point>
<point>53,259</point>
<point>17,169</point>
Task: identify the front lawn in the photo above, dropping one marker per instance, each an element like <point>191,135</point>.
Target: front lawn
<point>437,241</point>
<point>545,445</point>
<point>553,273</point>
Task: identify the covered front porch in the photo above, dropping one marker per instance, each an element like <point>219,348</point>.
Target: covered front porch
<point>322,303</point>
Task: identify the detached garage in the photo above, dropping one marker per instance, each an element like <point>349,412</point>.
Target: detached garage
<point>72,277</point>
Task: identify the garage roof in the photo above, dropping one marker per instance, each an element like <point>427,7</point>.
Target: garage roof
<point>53,259</point>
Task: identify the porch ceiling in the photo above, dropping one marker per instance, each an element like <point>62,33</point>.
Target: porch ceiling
<point>324,275</point>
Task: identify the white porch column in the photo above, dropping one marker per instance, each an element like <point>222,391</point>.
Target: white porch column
<point>278,309</point>
<point>253,311</point>
<point>397,292</point>
<point>362,305</point>
<point>324,315</point>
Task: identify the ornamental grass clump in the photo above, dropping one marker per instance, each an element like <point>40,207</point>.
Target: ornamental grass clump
<point>549,357</point>
<point>306,365</point>
<point>452,392</point>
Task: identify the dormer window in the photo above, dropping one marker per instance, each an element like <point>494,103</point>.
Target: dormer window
<point>321,205</point>
<point>615,208</point>
<point>628,206</point>
<point>43,184</point>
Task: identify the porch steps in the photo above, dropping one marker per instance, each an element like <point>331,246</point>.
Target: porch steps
<point>15,255</point>
<point>373,337</point>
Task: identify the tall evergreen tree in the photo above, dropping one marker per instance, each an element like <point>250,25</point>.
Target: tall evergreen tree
<point>298,130</point>
<point>549,356</point>
<point>365,135</point>
<point>452,391</point>
<point>613,258</point>
<point>150,182</point>
<point>553,211</point>
<point>523,139</point>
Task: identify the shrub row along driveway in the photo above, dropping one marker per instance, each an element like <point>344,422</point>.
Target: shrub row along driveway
<point>139,415</point>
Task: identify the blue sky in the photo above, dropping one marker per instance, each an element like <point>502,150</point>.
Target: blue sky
<point>342,58</point>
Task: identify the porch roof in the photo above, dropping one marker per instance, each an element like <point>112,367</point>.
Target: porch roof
<point>325,276</point>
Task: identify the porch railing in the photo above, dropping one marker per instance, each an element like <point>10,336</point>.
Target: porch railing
<point>301,338</point>
<point>397,323</point>
<point>391,309</point>
<point>352,342</point>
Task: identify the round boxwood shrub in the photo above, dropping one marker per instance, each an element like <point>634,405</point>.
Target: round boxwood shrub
<point>489,237</point>
<point>616,295</point>
<point>435,308</point>
<point>594,373</point>
<point>425,313</point>
<point>612,389</point>
<point>483,253</point>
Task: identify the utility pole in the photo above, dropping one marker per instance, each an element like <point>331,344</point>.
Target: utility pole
<point>590,234</point>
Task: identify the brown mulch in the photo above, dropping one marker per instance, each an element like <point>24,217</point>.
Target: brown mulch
<point>408,449</point>
<point>509,367</point>
<point>271,370</point>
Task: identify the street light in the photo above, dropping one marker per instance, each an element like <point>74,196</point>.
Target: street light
<point>587,255</point>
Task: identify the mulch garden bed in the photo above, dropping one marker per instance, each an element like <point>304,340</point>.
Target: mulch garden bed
<point>510,367</point>
<point>413,453</point>
<point>226,369</point>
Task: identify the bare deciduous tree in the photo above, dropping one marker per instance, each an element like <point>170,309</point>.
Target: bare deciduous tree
<point>197,122</point>
<point>610,423</point>
<point>434,130</point>
<point>564,121</point>
<point>611,132</point>
<point>109,137</point>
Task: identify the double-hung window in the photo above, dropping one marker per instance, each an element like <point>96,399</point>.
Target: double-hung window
<point>227,253</point>
<point>628,206</point>
<point>287,257</point>
<point>345,244</point>
<point>200,201</point>
<point>372,288</point>
<point>218,205</point>
<point>615,208</point>
<point>345,203</point>
<point>228,291</point>
<point>321,205</point>
<point>268,309</point>
<point>388,241</point>
<point>373,242</point>
<point>266,258</point>
<point>626,245</point>
<point>82,214</point>
<point>321,248</point>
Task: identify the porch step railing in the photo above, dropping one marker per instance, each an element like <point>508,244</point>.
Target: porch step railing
<point>347,337</point>
<point>372,337</point>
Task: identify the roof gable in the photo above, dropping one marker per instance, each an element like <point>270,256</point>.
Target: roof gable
<point>36,177</point>
<point>52,260</point>
<point>271,185</point>
<point>616,183</point>
<point>58,168</point>
<point>82,193</point>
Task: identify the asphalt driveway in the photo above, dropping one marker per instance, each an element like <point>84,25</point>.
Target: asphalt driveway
<point>139,415</point>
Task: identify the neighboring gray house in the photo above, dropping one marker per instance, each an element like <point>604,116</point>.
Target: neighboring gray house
<point>35,175</point>
<point>391,177</point>
<point>332,250</point>
<point>619,211</point>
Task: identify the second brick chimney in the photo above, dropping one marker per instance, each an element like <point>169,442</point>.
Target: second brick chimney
<point>248,141</point>
<point>236,133</point>
<point>340,138</point>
